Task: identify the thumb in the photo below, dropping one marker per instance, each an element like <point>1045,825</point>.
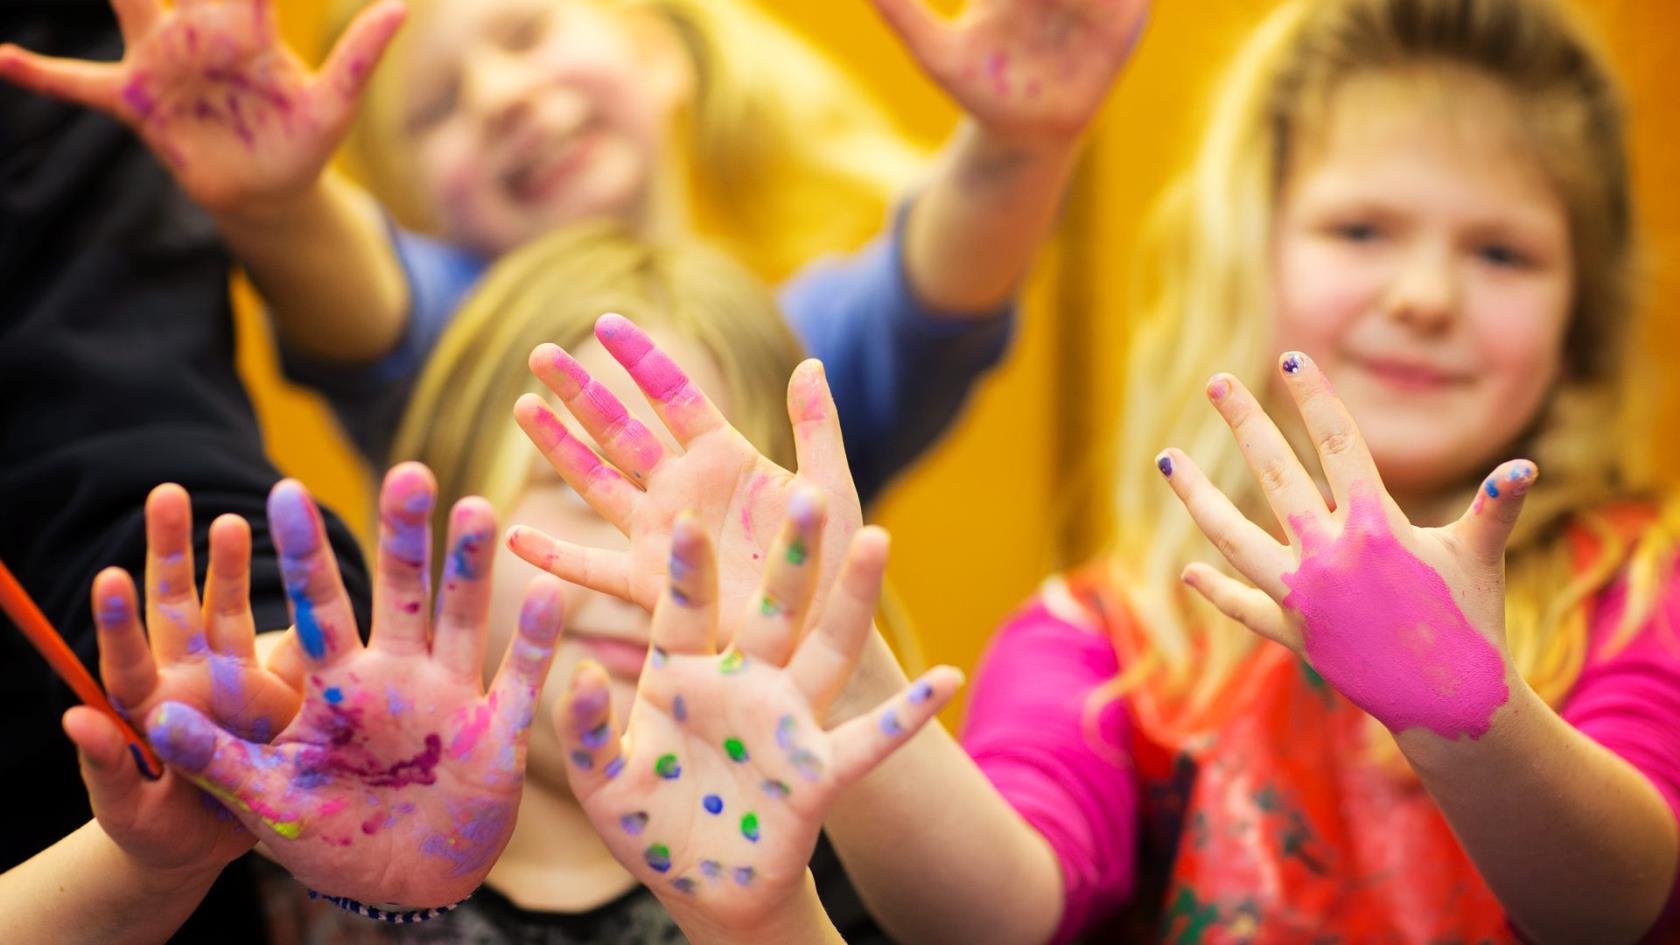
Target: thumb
<point>1486,526</point>
<point>113,782</point>
<point>247,778</point>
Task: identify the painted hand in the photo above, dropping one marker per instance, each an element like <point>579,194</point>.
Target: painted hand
<point>1406,622</point>
<point>716,793</point>
<point>398,782</point>
<point>197,655</point>
<point>641,486</point>
<point>1024,69</point>
<point>213,90</point>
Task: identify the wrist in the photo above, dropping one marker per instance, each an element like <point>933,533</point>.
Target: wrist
<point>797,917</point>
<point>1512,724</point>
<point>269,214</point>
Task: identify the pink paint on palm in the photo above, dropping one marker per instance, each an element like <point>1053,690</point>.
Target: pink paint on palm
<point>467,738</point>
<point>653,370</point>
<point>598,407</point>
<point>758,484</point>
<point>1382,627</point>
<point>553,437</point>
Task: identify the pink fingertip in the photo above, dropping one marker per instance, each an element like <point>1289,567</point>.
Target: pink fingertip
<point>653,371</point>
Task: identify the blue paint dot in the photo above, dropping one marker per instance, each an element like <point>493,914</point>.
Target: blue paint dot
<point>334,695</point>
<point>1492,490</point>
<point>713,804</point>
<point>679,709</point>
<point>308,631</point>
<point>614,767</point>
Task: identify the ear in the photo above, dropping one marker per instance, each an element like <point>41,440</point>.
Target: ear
<point>667,61</point>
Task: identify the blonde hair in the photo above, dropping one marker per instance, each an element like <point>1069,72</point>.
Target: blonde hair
<point>1201,286</point>
<point>459,421</point>
<point>786,156</point>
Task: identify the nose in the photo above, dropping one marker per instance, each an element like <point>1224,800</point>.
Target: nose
<point>497,89</point>
<point>1425,292</point>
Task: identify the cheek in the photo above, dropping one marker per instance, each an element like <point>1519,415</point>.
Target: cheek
<point>1519,336</point>
<point>1321,290</point>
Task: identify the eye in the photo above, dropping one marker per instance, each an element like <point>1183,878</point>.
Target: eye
<point>1504,256</point>
<point>434,108</point>
<point>523,34</point>
<point>1357,232</point>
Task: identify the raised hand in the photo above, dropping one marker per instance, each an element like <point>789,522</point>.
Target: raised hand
<point>197,654</point>
<point>1024,69</point>
<point>1407,622</point>
<point>398,782</point>
<point>641,486</point>
<point>715,795</point>
<point>212,89</point>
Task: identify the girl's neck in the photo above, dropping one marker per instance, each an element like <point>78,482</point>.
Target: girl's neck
<point>555,862</point>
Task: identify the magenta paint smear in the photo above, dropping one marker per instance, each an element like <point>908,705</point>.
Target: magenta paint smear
<point>139,97</point>
<point>467,738</point>
<point>609,412</point>
<point>1382,627</point>
<point>653,371</point>
<point>758,484</point>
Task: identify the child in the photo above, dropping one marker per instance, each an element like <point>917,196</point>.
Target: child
<point>556,876</point>
<point>523,114</point>
<point>1458,731</point>
<point>396,781</point>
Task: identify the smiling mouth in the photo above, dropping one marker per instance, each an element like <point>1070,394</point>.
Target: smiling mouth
<point>619,657</point>
<point>1410,376</point>
<point>544,169</point>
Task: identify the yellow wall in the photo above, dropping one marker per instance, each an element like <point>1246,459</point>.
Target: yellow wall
<point>1017,490</point>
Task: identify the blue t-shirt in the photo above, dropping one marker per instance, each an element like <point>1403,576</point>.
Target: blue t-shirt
<point>899,371</point>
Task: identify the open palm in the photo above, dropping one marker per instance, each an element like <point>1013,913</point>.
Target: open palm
<point>213,90</point>
<point>641,487</point>
<point>198,655</point>
<point>398,781</point>
<point>1024,67</point>
<point>716,793</point>
<point>1408,622</point>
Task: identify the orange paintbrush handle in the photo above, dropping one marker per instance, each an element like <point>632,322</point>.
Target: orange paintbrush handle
<point>18,605</point>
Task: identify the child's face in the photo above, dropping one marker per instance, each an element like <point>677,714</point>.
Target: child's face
<point>598,626</point>
<point>1424,260</point>
<point>525,115</point>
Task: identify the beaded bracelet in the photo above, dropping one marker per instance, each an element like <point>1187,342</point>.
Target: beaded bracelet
<point>382,915</point>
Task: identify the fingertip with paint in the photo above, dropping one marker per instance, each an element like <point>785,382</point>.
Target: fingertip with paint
<point>1163,462</point>
<point>1292,362</point>
<point>291,518</point>
<point>1219,387</point>
<point>182,737</point>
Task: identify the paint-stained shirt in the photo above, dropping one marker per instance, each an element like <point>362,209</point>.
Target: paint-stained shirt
<point>1279,827</point>
<point>900,371</point>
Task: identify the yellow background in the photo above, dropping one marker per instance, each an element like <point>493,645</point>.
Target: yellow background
<point>1019,488</point>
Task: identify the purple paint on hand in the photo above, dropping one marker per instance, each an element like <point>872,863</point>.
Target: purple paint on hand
<point>1382,627</point>
<point>182,737</point>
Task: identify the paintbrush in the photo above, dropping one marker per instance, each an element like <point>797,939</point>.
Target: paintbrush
<point>18,605</point>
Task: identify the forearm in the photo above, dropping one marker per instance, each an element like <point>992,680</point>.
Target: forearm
<point>1575,842</point>
<point>934,851</point>
<point>85,889</point>
<point>974,232</point>
<point>324,265</point>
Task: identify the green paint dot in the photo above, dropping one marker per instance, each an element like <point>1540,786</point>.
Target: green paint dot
<point>768,607</point>
<point>797,552</point>
<point>749,826</point>
<point>732,663</point>
<point>737,751</point>
<point>667,767</point>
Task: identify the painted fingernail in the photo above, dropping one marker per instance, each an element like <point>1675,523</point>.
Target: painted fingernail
<point>1218,388</point>
<point>291,518</point>
<point>1293,361</point>
<point>1164,463</point>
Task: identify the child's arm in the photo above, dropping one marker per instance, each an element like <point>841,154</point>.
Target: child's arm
<point>247,131</point>
<point>1031,75</point>
<point>140,868</point>
<point>715,793</point>
<point>1408,623</point>
<point>398,750</point>
<point>936,852</point>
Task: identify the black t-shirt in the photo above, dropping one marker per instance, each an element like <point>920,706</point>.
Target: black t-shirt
<point>116,374</point>
<point>490,918</point>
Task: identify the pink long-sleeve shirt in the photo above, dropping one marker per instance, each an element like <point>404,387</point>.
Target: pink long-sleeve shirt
<point>1061,758</point>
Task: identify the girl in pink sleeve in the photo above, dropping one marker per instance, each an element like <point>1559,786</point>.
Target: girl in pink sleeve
<point>1342,691</point>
